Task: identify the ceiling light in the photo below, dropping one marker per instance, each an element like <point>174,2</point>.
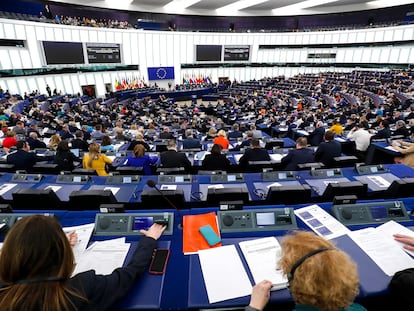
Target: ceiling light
<point>237,6</point>
<point>179,5</point>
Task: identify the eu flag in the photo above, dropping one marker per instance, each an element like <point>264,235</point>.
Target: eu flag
<point>160,73</point>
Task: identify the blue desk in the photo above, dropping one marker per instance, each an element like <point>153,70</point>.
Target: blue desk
<point>377,153</point>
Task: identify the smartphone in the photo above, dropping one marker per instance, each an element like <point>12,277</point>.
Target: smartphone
<point>159,261</point>
<point>210,235</point>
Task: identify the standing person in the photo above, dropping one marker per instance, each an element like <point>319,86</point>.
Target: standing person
<point>297,156</point>
<point>94,159</point>
<point>140,159</point>
<point>321,276</point>
<point>48,89</point>
<point>38,276</point>
<point>328,150</point>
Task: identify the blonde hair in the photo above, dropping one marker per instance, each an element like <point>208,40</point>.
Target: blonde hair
<point>212,131</point>
<point>94,153</point>
<point>54,141</point>
<point>222,133</point>
<point>327,280</point>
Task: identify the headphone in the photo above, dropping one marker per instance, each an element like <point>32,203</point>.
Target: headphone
<point>261,193</point>
<point>300,261</point>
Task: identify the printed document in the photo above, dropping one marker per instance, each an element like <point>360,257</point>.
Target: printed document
<point>262,256</point>
<point>84,233</point>
<point>224,274</point>
<point>388,255</point>
<point>321,222</point>
<point>392,227</point>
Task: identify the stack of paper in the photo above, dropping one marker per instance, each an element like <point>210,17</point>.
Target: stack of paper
<point>262,257</point>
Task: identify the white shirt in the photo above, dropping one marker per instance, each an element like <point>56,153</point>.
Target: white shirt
<point>362,139</point>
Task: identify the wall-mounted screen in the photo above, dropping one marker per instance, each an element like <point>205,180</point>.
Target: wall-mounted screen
<point>208,53</point>
<point>60,53</point>
<point>235,53</point>
<point>103,53</point>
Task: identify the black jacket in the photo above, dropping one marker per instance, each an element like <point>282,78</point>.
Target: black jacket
<point>295,157</point>
<point>254,154</point>
<point>327,151</point>
<point>172,158</point>
<point>216,162</point>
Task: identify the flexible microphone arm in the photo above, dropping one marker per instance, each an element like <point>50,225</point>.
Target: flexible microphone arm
<point>152,184</point>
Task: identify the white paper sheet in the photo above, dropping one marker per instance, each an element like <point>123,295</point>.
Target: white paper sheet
<point>114,190</point>
<point>168,187</point>
<point>379,181</point>
<point>111,255</point>
<point>382,250</point>
<point>224,274</point>
<point>321,222</point>
<point>392,227</point>
<point>276,157</point>
<point>262,256</point>
<point>275,184</point>
<point>54,188</point>
<point>84,233</point>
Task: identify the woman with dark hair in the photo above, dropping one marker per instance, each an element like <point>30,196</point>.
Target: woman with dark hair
<point>64,158</point>
<point>106,144</point>
<point>37,276</point>
<point>140,159</point>
<point>216,161</point>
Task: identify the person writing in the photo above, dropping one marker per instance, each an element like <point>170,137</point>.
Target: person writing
<point>38,276</point>
<point>321,277</point>
<point>402,283</point>
<point>96,160</point>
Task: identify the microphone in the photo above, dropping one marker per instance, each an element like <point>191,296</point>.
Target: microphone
<point>152,184</point>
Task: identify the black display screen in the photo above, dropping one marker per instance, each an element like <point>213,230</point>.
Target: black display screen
<point>103,53</point>
<point>60,53</point>
<point>208,53</point>
<point>235,53</point>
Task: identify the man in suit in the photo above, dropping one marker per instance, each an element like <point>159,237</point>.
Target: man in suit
<point>235,133</point>
<point>22,158</point>
<point>384,131</point>
<point>79,142</point>
<point>297,156</point>
<point>328,150</point>
<point>316,137</point>
<point>172,158</point>
<point>255,153</point>
<point>166,134</point>
<point>35,142</point>
<point>190,142</point>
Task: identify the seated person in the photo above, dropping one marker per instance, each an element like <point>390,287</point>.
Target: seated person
<point>190,142</point>
<point>255,153</point>
<point>106,144</point>
<point>54,141</point>
<point>172,158</point>
<point>401,130</point>
<point>222,140</point>
<point>10,141</point>
<point>35,142</point>
<point>316,137</point>
<point>64,158</point>
<point>165,134</point>
<point>140,159</point>
<point>245,143</point>
<point>402,283</point>
<point>337,127</point>
<point>235,133</point>
<point>139,140</point>
<point>328,150</point>
<point>96,160</point>
<point>79,142</point>
<point>300,155</point>
<point>216,161</point>
<point>384,131</point>
<point>256,133</point>
<point>22,158</point>
<point>408,152</point>
<point>321,276</point>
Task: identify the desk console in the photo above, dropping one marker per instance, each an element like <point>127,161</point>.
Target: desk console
<point>82,179</point>
<point>8,219</point>
<point>220,178</point>
<point>328,172</point>
<point>122,179</point>
<point>257,220</point>
<point>162,179</point>
<point>370,169</point>
<point>27,178</point>
<point>113,224</point>
<point>370,213</point>
<point>274,175</point>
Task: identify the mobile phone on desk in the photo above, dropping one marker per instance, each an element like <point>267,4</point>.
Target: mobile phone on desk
<point>159,261</point>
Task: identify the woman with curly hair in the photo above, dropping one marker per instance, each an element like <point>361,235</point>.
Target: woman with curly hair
<point>321,276</point>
